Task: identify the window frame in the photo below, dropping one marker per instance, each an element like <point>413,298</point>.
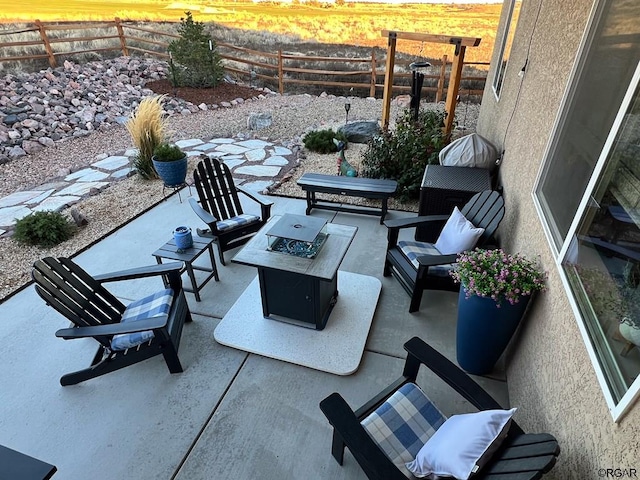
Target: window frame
<point>619,408</point>
<point>500,72</point>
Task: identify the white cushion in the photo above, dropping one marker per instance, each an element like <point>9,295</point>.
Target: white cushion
<point>462,445</point>
<point>458,234</point>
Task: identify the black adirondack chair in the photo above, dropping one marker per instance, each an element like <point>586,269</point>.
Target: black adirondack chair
<point>98,314</point>
<point>429,269</point>
<point>520,456</point>
<point>219,207</point>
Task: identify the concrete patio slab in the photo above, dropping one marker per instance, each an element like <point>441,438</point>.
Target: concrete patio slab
<point>136,423</point>
<point>269,424</point>
<point>230,414</point>
<point>336,349</point>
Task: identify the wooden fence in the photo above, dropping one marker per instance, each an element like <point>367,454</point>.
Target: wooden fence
<point>277,69</point>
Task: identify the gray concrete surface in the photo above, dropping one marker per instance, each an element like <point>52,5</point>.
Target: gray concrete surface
<point>230,414</point>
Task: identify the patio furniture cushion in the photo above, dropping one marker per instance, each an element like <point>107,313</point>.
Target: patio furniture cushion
<point>151,306</point>
<point>462,445</point>
<point>403,424</point>
<point>458,234</point>
<point>233,222</point>
<point>412,250</point>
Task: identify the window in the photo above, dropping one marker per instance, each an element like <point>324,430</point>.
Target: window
<point>588,196</point>
<point>505,47</point>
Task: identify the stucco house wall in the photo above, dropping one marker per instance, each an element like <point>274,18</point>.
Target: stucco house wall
<point>550,376</point>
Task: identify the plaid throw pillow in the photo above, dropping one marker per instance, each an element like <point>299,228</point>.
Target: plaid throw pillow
<point>403,424</point>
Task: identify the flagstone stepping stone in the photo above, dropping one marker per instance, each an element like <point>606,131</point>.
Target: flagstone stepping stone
<point>40,198</point>
<point>256,155</point>
<point>188,143</point>
<point>277,150</point>
<point>205,146</point>
<point>93,176</point>
<point>81,188</point>
<point>257,171</point>
<point>111,163</point>
<point>8,215</point>
<point>78,174</point>
<point>125,172</point>
<point>56,203</point>
<point>257,186</point>
<point>233,163</point>
<point>253,143</point>
<point>229,148</point>
<point>18,198</point>
<point>221,141</point>
<point>276,160</point>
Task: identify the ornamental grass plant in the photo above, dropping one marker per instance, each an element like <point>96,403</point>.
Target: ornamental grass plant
<point>148,129</point>
<point>498,275</point>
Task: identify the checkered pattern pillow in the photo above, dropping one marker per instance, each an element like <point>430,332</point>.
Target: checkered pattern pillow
<point>243,219</point>
<point>403,424</point>
<point>148,307</point>
<point>413,250</point>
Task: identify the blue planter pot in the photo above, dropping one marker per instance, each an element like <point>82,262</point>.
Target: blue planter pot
<point>484,331</point>
<point>183,238</point>
<point>173,174</point>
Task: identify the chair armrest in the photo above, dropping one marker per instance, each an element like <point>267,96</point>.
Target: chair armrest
<point>394,226</point>
<point>433,260</point>
<point>420,352</point>
<point>254,196</point>
<point>113,328</point>
<point>415,221</point>
<point>140,272</point>
<point>205,216</point>
<point>373,460</point>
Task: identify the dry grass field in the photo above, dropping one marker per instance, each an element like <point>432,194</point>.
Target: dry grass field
<point>356,24</point>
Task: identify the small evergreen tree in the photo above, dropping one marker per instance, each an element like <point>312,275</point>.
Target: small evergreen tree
<point>195,61</point>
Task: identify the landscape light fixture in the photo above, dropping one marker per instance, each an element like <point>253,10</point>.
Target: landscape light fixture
<point>347,107</point>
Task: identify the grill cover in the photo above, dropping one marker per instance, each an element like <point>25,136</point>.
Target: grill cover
<point>469,151</point>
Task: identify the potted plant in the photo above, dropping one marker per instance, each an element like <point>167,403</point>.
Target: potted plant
<point>171,164</point>
<point>496,288</point>
<point>147,127</point>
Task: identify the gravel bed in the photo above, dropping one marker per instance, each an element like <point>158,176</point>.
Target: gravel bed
<point>293,116</point>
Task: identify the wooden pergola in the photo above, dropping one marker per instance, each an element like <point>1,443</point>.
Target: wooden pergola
<point>460,44</point>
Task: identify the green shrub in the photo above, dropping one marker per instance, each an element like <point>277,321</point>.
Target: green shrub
<point>195,60</point>
<point>167,153</point>
<point>321,141</point>
<point>403,154</point>
<point>45,229</point>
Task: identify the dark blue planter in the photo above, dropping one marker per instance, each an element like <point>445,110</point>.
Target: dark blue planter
<point>484,331</point>
<point>173,174</point>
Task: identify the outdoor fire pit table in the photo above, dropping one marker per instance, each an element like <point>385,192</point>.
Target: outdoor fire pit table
<point>299,288</point>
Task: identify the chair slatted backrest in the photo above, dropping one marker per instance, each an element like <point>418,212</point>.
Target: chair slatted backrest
<point>75,294</point>
<point>485,210</point>
<point>216,191</point>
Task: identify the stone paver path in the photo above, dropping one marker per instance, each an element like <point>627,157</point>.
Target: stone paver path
<point>256,164</point>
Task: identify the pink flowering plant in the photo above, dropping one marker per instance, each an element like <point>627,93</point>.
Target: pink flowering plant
<point>498,275</point>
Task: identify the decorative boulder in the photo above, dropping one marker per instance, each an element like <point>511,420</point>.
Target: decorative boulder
<point>360,132</point>
<point>258,121</point>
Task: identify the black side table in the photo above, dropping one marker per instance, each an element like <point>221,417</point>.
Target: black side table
<point>444,188</point>
<point>170,251</point>
<point>18,466</point>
